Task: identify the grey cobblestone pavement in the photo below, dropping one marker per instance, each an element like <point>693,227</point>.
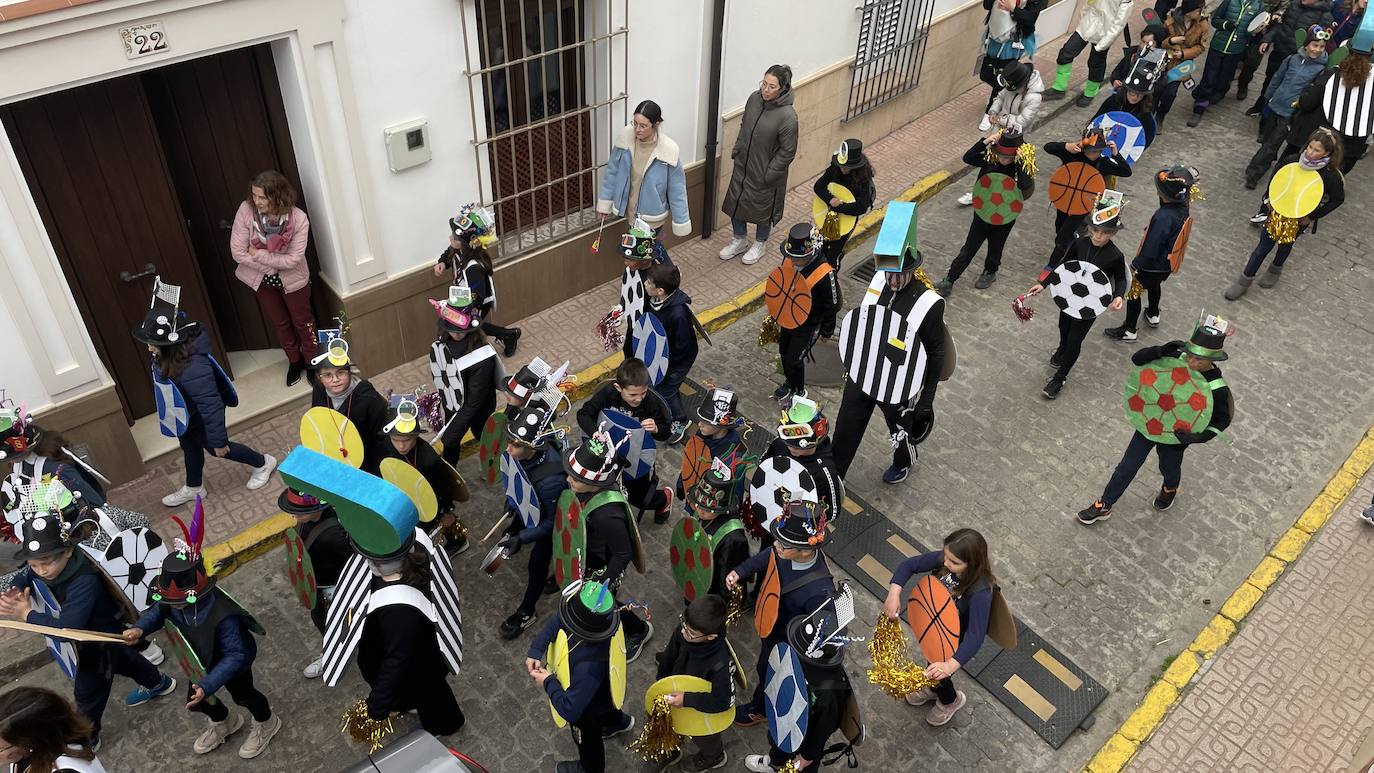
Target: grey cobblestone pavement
<point>1117,598</point>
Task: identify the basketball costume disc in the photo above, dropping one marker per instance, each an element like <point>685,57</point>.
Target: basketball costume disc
<point>1074,187</point>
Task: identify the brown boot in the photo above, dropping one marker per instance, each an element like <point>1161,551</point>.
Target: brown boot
<point>1271,277</point>
<point>1239,287</point>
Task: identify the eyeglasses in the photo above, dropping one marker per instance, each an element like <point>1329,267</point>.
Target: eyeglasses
<point>689,634</point>
<point>766,86</point>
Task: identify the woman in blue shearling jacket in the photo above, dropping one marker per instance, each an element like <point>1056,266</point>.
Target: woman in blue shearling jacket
<point>644,175</point>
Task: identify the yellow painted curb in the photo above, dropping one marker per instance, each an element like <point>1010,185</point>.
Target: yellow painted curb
<point>1117,752</point>
<point>223,558</point>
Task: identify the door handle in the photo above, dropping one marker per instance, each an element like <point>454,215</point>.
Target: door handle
<point>148,270</point>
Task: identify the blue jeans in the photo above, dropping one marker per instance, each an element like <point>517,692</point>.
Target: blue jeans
<point>670,389</point>
<point>194,445</point>
<point>741,229</point>
<point>1170,466</point>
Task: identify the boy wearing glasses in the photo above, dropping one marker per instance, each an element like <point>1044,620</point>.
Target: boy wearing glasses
<point>698,648</point>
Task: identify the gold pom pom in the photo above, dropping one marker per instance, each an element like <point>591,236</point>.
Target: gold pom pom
<point>1283,230</point>
<point>892,670</point>
<point>658,742</point>
<point>768,331</point>
<point>923,279</point>
<point>1136,289</point>
<point>734,608</point>
<point>830,227</point>
<point>360,727</point>
<point>1025,155</point>
<point>1195,193</point>
<point>789,767</point>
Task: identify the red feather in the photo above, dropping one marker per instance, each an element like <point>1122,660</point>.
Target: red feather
<point>184,531</point>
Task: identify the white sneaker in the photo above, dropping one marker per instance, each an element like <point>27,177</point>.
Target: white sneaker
<point>1152,319</point>
<point>154,654</point>
<point>315,668</point>
<point>921,697</point>
<point>752,256</point>
<point>758,763</point>
<point>217,733</point>
<point>260,474</point>
<point>985,125</point>
<point>183,495</point>
<point>966,200</point>
<point>735,247</point>
<point>1259,218</point>
<point>259,737</point>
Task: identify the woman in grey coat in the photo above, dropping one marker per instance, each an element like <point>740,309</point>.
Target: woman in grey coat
<point>765,147</point>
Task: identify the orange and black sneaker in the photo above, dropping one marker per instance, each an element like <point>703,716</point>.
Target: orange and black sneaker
<point>1094,513</point>
<point>1165,500</point>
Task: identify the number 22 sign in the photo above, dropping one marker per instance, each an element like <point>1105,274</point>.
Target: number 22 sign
<point>143,39</point>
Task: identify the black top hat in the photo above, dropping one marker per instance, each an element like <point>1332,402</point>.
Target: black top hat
<point>293,502</point>
<point>803,632</point>
<point>533,425</point>
<point>850,154</point>
<point>803,242</point>
<point>1208,339</point>
<point>1015,75</point>
<point>403,417</point>
<point>528,380</point>
<point>594,462</point>
<point>588,610</point>
<point>714,492</point>
<point>801,526</point>
<point>1141,79</point>
<point>44,534</point>
<point>719,407</point>
<point>1008,143</point>
<point>182,579</point>
<point>1174,182</point>
<point>165,324</point>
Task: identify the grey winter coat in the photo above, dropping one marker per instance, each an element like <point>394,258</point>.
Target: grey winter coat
<point>765,147</point>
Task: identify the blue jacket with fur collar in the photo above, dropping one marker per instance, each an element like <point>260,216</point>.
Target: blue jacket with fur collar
<point>662,192</point>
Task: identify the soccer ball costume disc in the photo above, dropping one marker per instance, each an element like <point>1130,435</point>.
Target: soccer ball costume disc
<point>996,199</point>
<point>132,559</point>
<point>689,554</point>
<point>1081,290</point>
<point>777,481</point>
<point>569,540</point>
<point>1166,396</point>
<point>882,354</point>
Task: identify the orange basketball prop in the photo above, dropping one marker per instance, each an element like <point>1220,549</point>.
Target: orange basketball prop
<point>1074,187</point>
<point>696,460</point>
<point>934,619</point>
<point>770,593</point>
<point>788,296</point>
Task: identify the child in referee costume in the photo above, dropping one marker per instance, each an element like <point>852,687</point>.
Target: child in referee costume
<point>1091,149</point>
<point>469,371</point>
<point>471,231</point>
<point>908,406</point>
<point>1087,257</point>
<point>1202,352</point>
<point>326,543</point>
<point>804,248</point>
<point>1160,248</point>
<point>1003,153</point>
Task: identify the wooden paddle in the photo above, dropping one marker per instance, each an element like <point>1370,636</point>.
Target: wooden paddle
<point>73,634</point>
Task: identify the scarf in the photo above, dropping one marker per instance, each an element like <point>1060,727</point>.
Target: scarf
<point>1312,166</point>
<point>271,232</point>
<point>347,393</point>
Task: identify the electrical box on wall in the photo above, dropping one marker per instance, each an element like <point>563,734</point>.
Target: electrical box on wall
<point>407,144</point>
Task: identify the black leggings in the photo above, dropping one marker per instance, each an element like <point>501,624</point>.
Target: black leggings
<point>793,347</point>
<point>1151,281</point>
<point>541,553</point>
<point>1071,334</point>
<point>1097,60</point>
<point>979,232</point>
<point>591,749</point>
<point>240,688</point>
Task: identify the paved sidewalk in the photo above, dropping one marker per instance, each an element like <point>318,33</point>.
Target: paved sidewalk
<point>1291,692</point>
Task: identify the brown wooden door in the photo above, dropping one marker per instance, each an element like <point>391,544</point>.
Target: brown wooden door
<point>222,120</point>
<point>95,166</point>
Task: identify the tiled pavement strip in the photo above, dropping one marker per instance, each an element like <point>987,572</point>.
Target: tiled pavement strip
<point>235,508</point>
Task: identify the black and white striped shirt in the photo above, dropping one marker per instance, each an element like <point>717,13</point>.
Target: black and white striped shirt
<point>1349,111</point>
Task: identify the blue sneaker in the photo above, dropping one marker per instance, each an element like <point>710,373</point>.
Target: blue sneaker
<point>895,474</point>
<point>141,695</point>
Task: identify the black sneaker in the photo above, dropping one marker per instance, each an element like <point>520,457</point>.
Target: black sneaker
<point>700,763</point>
<point>1054,95</point>
<point>611,731</point>
<point>1054,360</point>
<point>1165,500</point>
<point>511,340</point>
<point>985,280</point>
<point>782,392</point>
<point>1093,513</point>
<point>551,586</point>
<point>1195,119</point>
<point>677,432</point>
<point>1251,183</point>
<point>1241,93</point>
<point>945,287</point>
<point>661,514</point>
<point>569,766</point>
<point>1120,333</point>
<point>635,646</point>
<point>1051,389</point>
<point>516,624</point>
<point>294,371</point>
<point>1083,101</point>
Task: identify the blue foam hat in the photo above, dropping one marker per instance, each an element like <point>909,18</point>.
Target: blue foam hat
<point>1362,42</point>
<point>895,250</point>
<point>379,518</point>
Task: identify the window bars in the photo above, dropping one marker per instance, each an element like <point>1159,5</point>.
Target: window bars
<point>546,78</point>
<point>892,46</point>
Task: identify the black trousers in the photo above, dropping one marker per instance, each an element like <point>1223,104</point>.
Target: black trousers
<point>96,667</point>
<point>1097,60</point>
<point>856,408</point>
<point>833,250</point>
<point>319,614</point>
<point>541,554</point>
<point>1170,466</point>
<point>1250,63</point>
<point>794,346</point>
<point>1273,133</point>
<point>979,232</point>
<point>988,74</point>
<point>591,749</point>
<point>644,493</point>
<point>1071,334</point>
<point>945,691</point>
<point>1065,231</point>
<point>240,688</point>
<point>1217,74</point>
<point>1151,281</point>
<point>1165,94</point>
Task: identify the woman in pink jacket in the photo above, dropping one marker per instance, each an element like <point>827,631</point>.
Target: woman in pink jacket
<point>268,241</point>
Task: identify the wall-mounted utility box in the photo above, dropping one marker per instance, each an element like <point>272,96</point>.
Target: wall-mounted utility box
<point>407,144</point>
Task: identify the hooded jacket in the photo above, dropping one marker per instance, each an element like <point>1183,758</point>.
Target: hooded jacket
<point>676,315</point>
<point>1298,16</point>
<point>1290,79</point>
<point>1230,19</point>
<point>1018,109</point>
<point>662,191</point>
<point>1102,21</point>
<point>763,151</point>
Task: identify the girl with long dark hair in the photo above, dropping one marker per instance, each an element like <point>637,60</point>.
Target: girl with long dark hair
<point>40,732</point>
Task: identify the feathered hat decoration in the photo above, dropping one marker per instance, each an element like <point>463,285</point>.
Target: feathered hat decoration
<point>193,536</point>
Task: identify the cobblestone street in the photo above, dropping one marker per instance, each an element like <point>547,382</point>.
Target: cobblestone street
<point>1118,598</point>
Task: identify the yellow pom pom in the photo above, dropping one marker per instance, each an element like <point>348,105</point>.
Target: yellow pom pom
<point>356,724</point>
<point>734,609</point>
<point>1283,230</point>
<point>892,670</point>
<point>768,331</point>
